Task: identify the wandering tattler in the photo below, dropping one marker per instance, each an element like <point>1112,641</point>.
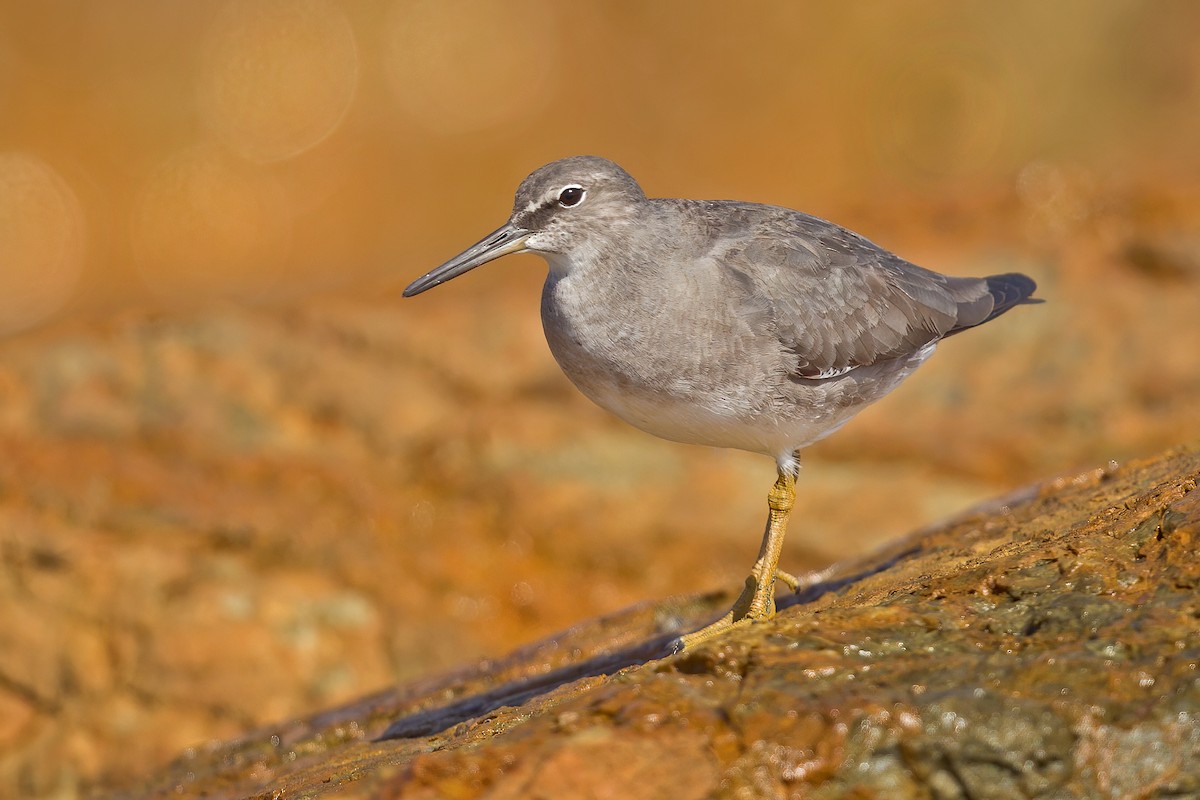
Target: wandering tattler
<point>725,323</point>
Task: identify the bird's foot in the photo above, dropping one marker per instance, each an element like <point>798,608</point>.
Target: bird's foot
<point>756,603</point>
<point>689,642</point>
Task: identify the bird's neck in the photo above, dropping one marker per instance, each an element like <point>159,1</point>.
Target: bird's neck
<point>613,253</point>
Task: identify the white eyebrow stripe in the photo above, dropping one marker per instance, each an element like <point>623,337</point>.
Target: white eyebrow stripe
<point>550,197</point>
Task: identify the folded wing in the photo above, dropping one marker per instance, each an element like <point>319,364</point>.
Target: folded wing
<point>838,302</point>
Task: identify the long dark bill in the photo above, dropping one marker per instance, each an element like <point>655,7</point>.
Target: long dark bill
<point>506,239</point>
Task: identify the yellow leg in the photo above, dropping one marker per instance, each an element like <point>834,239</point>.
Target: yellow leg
<point>757,600</point>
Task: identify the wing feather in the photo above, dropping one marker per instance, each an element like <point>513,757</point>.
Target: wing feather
<point>835,300</point>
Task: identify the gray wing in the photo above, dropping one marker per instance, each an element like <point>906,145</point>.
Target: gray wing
<point>838,301</point>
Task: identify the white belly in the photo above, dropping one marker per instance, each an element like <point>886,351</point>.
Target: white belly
<point>686,420</point>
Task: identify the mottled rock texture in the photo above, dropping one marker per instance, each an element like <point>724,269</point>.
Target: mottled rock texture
<point>1045,645</point>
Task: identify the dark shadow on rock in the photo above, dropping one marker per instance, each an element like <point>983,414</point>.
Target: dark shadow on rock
<point>815,591</point>
<point>435,720</point>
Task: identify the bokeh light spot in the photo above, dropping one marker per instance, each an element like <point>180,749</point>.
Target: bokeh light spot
<point>278,76</point>
<point>41,241</point>
<point>206,225</point>
<point>461,66</point>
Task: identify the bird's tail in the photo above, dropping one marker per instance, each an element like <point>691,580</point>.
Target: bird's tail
<point>1007,290</point>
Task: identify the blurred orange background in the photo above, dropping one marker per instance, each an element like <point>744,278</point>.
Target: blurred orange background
<point>243,480</point>
<point>174,153</point>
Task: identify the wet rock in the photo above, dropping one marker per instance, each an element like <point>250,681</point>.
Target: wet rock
<point>1046,646</point>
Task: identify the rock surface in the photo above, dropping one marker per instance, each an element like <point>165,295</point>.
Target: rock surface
<point>1045,645</point>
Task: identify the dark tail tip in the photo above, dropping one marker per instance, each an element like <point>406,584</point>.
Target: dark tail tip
<point>1008,290</point>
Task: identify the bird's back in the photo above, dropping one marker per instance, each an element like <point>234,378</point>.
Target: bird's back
<point>836,299</point>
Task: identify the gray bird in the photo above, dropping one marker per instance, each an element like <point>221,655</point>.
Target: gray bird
<point>725,323</point>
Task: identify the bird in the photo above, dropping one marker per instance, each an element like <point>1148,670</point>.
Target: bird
<point>726,323</point>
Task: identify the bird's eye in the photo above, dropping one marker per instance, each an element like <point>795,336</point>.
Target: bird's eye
<point>571,196</point>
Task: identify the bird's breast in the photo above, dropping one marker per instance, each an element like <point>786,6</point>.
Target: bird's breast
<point>659,364</point>
<point>602,344</point>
